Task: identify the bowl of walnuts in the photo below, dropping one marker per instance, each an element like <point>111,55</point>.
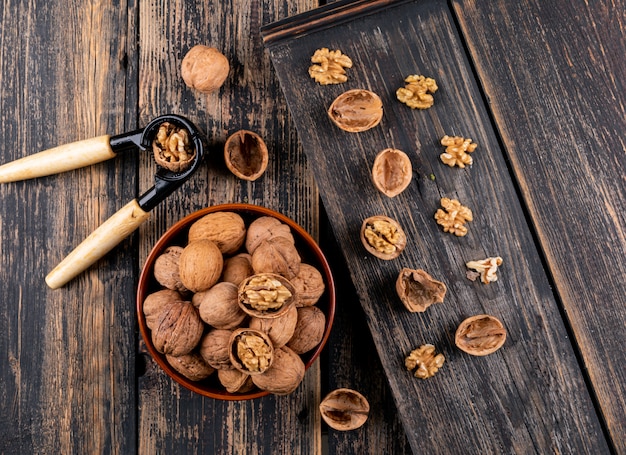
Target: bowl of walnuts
<point>235,302</point>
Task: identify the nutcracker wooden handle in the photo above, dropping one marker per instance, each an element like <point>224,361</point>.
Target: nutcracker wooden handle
<point>99,242</point>
<point>58,159</point>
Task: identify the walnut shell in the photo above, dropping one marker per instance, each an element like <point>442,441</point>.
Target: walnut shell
<point>280,329</point>
<point>226,229</point>
<point>234,381</point>
<point>344,409</point>
<point>392,172</point>
<point>191,365</point>
<point>154,303</point>
<point>277,255</point>
<point>166,270</point>
<point>266,295</point>
<point>285,374</point>
<point>251,351</point>
<point>264,228</point>
<point>237,268</point>
<point>204,68</point>
<point>356,110</point>
<point>309,285</point>
<point>219,306</point>
<point>179,329</point>
<point>200,265</point>
<point>309,329</point>
<point>383,237</point>
<point>246,155</point>
<point>214,349</point>
<point>418,290</point>
<point>480,335</point>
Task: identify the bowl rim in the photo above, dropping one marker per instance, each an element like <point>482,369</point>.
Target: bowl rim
<point>174,231</point>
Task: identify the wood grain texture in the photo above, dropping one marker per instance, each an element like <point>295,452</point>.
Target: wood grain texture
<point>519,399</point>
<point>558,96</point>
<point>66,366</point>
<point>172,419</point>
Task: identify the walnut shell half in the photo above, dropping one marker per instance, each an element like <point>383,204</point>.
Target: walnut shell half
<point>480,335</point>
<point>383,237</point>
<point>392,172</point>
<point>344,409</point>
<point>246,155</point>
<point>418,290</point>
<point>356,110</point>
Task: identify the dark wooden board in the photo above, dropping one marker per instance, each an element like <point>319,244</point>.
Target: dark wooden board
<point>66,356</point>
<point>558,95</point>
<point>518,399</point>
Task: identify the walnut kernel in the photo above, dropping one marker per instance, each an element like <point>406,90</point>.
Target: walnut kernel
<point>424,361</point>
<point>418,290</point>
<point>417,92</point>
<point>487,268</point>
<point>356,110</point>
<point>480,335</point>
<point>172,148</point>
<point>344,409</point>
<point>392,172</point>
<point>204,68</point>
<point>383,237</point>
<point>246,155</point>
<point>457,151</point>
<point>329,66</point>
<point>453,216</point>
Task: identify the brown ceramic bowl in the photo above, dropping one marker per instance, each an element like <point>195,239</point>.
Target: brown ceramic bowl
<point>177,235</point>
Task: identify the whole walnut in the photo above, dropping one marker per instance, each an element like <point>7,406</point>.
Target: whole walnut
<point>219,306</point>
<point>191,365</point>
<point>166,270</point>
<point>309,329</point>
<point>214,349</point>
<point>204,68</point>
<point>263,228</point>
<point>280,329</point>
<point>285,374</point>
<point>309,285</point>
<point>179,329</point>
<point>154,303</point>
<point>200,265</point>
<point>276,255</point>
<point>234,381</point>
<point>237,268</point>
<point>226,229</point>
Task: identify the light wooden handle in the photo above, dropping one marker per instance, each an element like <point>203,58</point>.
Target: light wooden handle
<point>100,242</point>
<point>58,159</point>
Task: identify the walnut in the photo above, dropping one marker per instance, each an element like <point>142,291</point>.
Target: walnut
<point>487,268</point>
<point>237,268</point>
<point>344,409</point>
<point>277,255</point>
<point>166,270</point>
<point>392,172</point>
<point>266,295</point>
<point>264,228</point>
<point>204,68</point>
<point>453,216</point>
<point>219,306</point>
<point>383,237</point>
<point>246,155</point>
<point>418,290</point>
<point>424,361</point>
<point>356,110</point>
<point>280,329</point>
<point>251,351</point>
<point>457,151</point>
<point>417,92</point>
<point>480,335</point>
<point>329,66</point>
<point>226,229</point>
<point>285,374</point>
<point>172,148</point>
<point>309,285</point>
<point>234,381</point>
<point>178,330</point>
<point>214,349</point>
<point>191,366</point>
<point>309,330</point>
<point>200,265</point>
<point>154,303</point>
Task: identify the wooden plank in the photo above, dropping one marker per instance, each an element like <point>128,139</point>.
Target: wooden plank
<point>172,419</point>
<point>557,93</point>
<point>67,72</point>
<point>518,399</point>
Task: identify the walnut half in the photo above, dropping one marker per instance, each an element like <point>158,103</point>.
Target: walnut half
<point>383,237</point>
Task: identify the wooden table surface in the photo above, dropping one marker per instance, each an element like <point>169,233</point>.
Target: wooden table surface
<point>547,88</point>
